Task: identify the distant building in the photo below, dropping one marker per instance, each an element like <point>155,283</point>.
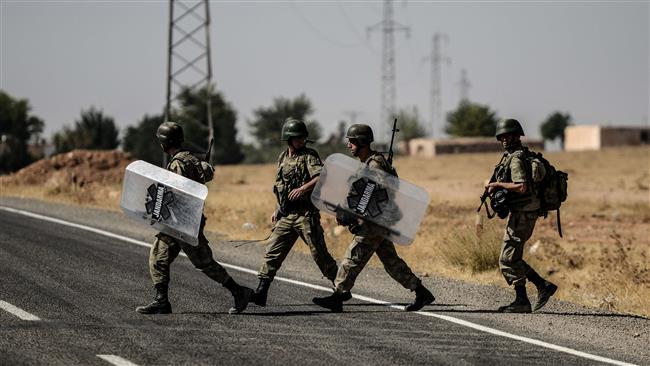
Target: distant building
<point>430,148</point>
<point>595,137</point>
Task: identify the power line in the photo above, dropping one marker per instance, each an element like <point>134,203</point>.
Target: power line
<point>320,33</point>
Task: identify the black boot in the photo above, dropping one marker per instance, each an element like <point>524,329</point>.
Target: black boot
<point>333,302</point>
<point>521,303</point>
<point>160,305</point>
<point>345,295</point>
<point>422,297</point>
<point>241,294</point>
<point>262,291</point>
<point>545,289</point>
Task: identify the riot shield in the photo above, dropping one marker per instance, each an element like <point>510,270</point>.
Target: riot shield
<point>165,201</point>
<point>351,190</point>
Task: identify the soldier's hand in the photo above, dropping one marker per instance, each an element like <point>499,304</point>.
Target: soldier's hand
<point>296,193</point>
<point>491,186</point>
<point>273,217</point>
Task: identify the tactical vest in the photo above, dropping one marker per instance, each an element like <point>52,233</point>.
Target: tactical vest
<point>293,175</point>
<point>517,201</point>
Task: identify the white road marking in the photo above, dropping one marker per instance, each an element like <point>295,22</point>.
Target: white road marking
<point>22,314</point>
<point>358,297</point>
<point>116,360</point>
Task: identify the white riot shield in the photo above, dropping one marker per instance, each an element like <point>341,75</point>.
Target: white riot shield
<point>348,188</point>
<point>166,201</point>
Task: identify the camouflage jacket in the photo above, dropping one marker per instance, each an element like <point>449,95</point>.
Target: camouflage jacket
<point>293,172</point>
<point>186,164</point>
<point>514,168</point>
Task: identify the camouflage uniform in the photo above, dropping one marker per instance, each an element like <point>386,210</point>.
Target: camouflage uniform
<point>165,249</point>
<point>524,211</point>
<point>297,218</point>
<point>372,239</point>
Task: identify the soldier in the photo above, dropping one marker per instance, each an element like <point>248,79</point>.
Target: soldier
<point>513,174</point>
<point>298,171</point>
<point>165,249</point>
<point>369,239</point>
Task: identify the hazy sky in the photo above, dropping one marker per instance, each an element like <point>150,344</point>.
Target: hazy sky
<point>524,59</point>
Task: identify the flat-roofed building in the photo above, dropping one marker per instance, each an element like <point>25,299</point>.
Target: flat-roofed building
<point>430,148</point>
<point>595,137</point>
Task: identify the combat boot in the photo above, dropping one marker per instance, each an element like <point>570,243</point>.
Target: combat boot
<point>333,302</point>
<point>262,291</point>
<point>345,295</point>
<point>521,303</point>
<point>422,297</point>
<point>241,294</point>
<point>160,305</point>
<point>545,289</point>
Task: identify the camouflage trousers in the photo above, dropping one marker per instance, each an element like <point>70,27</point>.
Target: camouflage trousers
<point>285,233</point>
<point>165,250</point>
<point>368,241</point>
<point>518,230</point>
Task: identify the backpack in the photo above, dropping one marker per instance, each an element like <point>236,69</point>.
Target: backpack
<point>550,185</point>
<point>203,171</point>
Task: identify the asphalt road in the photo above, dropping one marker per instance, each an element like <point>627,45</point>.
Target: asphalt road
<point>83,287</point>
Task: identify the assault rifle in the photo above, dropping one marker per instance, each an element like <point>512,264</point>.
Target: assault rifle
<point>283,199</point>
<point>486,193</point>
<point>207,154</point>
<point>392,139</point>
<point>351,218</point>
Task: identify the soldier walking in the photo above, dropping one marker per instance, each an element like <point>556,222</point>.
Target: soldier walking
<point>298,171</point>
<point>369,239</point>
<point>165,249</point>
<point>514,177</point>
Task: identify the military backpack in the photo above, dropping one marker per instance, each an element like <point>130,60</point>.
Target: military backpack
<point>550,185</point>
<point>203,171</point>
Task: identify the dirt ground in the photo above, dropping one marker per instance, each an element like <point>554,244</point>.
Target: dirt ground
<point>601,261</point>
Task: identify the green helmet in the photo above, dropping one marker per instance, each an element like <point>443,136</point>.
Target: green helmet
<point>293,128</point>
<point>360,132</point>
<point>170,134</point>
<point>508,126</point>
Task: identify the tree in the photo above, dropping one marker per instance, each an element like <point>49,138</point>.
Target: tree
<point>17,129</point>
<point>554,125</point>
<point>141,140</point>
<point>267,123</point>
<point>193,116</point>
<point>471,119</point>
<point>410,125</point>
<point>94,131</point>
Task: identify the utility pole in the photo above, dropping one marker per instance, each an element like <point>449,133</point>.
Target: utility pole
<point>464,86</point>
<point>388,94</point>
<point>188,53</point>
<point>435,93</point>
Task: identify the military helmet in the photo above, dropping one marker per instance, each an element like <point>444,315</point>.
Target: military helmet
<point>508,126</point>
<point>170,134</point>
<point>293,128</point>
<point>360,132</point>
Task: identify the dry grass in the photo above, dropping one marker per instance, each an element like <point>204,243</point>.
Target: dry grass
<point>601,261</point>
